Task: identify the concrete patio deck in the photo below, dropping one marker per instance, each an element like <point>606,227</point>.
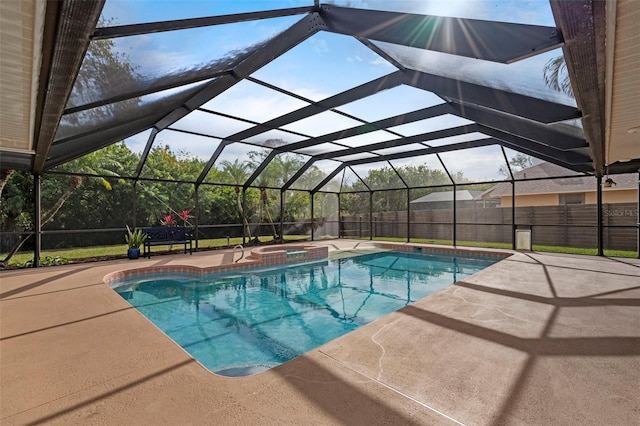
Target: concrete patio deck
<point>534,339</point>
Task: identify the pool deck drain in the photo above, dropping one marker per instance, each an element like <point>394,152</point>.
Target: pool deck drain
<point>534,339</point>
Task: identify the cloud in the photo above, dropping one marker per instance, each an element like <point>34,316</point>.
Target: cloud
<point>320,46</point>
<point>380,62</point>
<point>136,143</point>
<point>197,146</point>
<point>477,164</point>
<point>209,124</point>
<point>254,102</point>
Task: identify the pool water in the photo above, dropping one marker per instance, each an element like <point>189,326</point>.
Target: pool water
<point>237,324</point>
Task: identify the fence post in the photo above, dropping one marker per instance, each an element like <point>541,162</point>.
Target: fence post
<point>359,226</point>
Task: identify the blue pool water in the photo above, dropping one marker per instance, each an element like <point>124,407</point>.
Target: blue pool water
<point>244,322</point>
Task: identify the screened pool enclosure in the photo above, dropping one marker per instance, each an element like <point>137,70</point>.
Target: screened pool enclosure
<point>450,122</point>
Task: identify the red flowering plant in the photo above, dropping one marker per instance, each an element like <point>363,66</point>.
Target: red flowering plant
<point>168,220</point>
<point>171,220</point>
<point>185,215</point>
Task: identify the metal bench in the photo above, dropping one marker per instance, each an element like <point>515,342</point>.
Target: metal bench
<point>166,235</point>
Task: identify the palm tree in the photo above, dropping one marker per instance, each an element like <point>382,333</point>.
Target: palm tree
<point>286,166</point>
<point>556,76</point>
<point>268,175</point>
<point>237,173</point>
<point>264,198</point>
<point>5,174</point>
<point>100,164</point>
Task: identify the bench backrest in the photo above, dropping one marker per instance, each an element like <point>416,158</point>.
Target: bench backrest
<point>166,233</point>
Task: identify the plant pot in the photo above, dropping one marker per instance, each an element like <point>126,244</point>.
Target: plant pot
<point>133,253</point>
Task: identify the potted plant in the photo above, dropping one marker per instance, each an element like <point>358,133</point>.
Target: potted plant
<point>134,239</point>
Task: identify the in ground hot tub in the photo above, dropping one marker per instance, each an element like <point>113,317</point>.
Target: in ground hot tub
<point>283,253</point>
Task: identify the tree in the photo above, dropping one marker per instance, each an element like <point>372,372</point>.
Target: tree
<point>394,200</point>
<point>267,178</point>
<point>97,163</point>
<point>310,178</point>
<point>5,174</point>
<point>518,162</point>
<point>217,205</point>
<point>103,69</point>
<point>160,196</point>
<point>284,167</point>
<point>264,198</point>
<point>237,174</point>
<point>556,76</point>
<point>278,172</point>
<point>16,205</point>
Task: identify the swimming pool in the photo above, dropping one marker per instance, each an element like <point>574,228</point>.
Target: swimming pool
<point>243,322</point>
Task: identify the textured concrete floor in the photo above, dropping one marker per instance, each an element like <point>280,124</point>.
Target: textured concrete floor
<point>535,339</point>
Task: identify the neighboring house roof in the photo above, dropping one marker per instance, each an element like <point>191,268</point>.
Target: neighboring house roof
<point>435,197</point>
<point>570,183</point>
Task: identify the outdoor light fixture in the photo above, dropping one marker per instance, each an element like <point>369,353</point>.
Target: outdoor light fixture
<point>608,182</point>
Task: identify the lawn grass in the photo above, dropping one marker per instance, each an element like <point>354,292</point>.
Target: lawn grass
<point>507,246</point>
<point>71,253</point>
<point>120,250</point>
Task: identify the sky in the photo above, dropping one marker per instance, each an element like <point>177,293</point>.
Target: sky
<point>321,66</point>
